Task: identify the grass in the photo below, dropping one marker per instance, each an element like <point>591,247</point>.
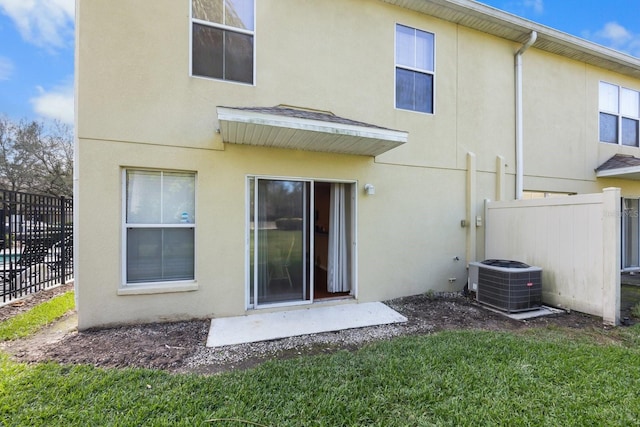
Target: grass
<point>548,376</point>
<point>41,315</point>
<point>545,377</point>
<point>635,311</point>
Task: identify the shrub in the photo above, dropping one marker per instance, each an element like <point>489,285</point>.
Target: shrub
<point>289,223</point>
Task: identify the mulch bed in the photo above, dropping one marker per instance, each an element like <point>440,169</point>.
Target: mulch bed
<point>178,346</point>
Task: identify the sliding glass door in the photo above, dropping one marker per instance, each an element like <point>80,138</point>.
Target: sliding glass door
<point>279,241</point>
<point>300,241</point>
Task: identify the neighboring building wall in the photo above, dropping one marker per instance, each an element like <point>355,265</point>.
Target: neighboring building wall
<point>138,107</point>
<point>562,147</point>
<point>574,239</point>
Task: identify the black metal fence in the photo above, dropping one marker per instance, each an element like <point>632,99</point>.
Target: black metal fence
<point>36,243</point>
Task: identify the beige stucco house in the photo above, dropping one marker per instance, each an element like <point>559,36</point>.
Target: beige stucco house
<point>245,155</point>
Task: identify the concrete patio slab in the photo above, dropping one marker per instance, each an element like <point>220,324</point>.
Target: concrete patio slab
<point>312,320</point>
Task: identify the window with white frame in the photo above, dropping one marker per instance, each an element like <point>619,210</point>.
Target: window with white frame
<point>222,39</point>
<point>414,69</point>
<point>159,222</point>
<point>619,114</point>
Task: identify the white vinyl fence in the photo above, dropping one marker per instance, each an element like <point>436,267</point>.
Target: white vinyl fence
<point>574,239</point>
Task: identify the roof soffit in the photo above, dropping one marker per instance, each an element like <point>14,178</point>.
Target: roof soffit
<point>299,129</point>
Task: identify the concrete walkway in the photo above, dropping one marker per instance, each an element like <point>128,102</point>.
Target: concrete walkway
<point>312,320</point>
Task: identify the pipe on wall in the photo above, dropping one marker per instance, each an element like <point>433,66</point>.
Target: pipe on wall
<point>500,174</point>
<point>519,132</point>
<point>471,214</point>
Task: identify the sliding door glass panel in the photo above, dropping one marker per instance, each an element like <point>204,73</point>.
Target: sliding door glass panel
<point>630,251</point>
<point>278,236</point>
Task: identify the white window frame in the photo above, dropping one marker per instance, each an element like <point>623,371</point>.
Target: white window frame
<point>223,27</point>
<point>414,69</point>
<point>618,114</point>
<point>154,286</point>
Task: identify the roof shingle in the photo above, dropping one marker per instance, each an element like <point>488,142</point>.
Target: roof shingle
<point>619,161</point>
<point>308,114</point>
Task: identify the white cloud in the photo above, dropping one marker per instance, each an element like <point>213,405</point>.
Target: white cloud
<point>522,8</point>
<point>617,37</point>
<point>6,68</point>
<point>615,33</point>
<point>44,23</point>
<point>536,5</point>
<point>55,104</point>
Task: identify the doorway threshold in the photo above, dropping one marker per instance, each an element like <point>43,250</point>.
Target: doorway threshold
<point>284,324</point>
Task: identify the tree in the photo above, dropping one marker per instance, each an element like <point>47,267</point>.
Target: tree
<point>36,157</point>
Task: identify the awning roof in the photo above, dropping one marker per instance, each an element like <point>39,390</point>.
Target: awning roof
<point>620,166</point>
<point>300,129</point>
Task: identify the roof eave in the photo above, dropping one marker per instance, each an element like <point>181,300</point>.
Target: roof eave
<point>631,172</point>
<point>487,19</point>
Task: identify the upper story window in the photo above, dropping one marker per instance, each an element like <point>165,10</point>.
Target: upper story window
<point>223,39</point>
<point>619,115</point>
<point>414,69</point>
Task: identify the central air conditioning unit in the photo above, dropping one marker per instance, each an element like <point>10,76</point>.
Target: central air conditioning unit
<point>506,285</point>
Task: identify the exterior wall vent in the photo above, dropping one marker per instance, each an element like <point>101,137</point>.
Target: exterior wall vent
<point>507,285</point>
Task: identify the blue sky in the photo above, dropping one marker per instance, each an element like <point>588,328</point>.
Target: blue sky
<point>36,59</point>
<point>611,23</point>
<point>36,45</point>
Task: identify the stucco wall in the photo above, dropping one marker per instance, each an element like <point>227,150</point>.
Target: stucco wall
<point>138,107</point>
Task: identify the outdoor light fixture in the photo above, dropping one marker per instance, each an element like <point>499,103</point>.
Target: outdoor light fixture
<point>369,189</point>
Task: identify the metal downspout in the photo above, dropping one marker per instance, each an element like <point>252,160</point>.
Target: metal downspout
<point>519,133</point>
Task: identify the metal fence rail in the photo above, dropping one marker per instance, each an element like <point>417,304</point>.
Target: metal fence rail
<point>36,243</point>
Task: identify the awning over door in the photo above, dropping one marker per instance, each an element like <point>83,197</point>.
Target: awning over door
<point>300,129</point>
<point>620,166</point>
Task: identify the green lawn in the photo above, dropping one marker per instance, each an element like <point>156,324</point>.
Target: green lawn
<point>539,377</point>
<point>460,378</point>
<point>41,315</point>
